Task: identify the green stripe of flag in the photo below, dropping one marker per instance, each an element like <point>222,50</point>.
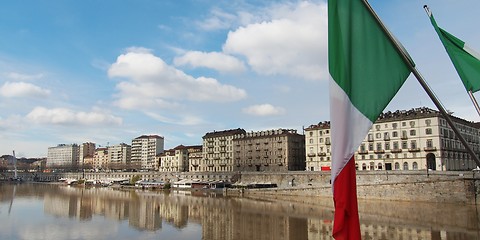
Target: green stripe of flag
<point>362,60</point>
<point>466,64</point>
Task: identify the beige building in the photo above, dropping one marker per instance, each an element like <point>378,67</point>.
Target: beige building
<point>86,149</point>
<point>217,150</point>
<point>173,160</point>
<point>413,139</point>
<point>101,159</point>
<point>119,156</point>
<point>271,150</point>
<point>317,147</point>
<point>144,151</point>
<point>195,155</point>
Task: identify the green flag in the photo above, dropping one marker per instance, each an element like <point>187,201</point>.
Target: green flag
<point>465,60</point>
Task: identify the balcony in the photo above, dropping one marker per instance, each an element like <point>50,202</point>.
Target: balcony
<point>363,152</point>
<point>379,151</point>
<point>396,150</point>
<point>311,154</point>
<point>404,137</point>
<point>322,154</point>
<point>414,149</point>
<point>209,165</point>
<point>429,149</point>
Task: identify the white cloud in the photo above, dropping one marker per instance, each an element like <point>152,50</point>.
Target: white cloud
<point>292,43</point>
<point>218,19</point>
<point>186,120</point>
<point>149,82</point>
<point>264,110</point>
<point>22,89</point>
<point>214,60</point>
<point>23,77</point>
<point>64,116</point>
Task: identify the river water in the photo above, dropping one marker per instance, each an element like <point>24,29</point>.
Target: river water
<point>49,211</point>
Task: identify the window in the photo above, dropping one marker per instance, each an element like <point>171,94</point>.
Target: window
<point>428,131</point>
<point>415,166</point>
<point>311,141</point>
<point>370,137</point>
<point>387,146</point>
<point>378,135</point>
<point>311,134</point>
<point>370,146</point>
<point>404,145</point>
<point>412,123</point>
<point>364,166</point>
<point>386,136</point>
<point>379,167</point>
<point>320,140</point>
<point>372,166</point>
<point>377,127</point>
<point>395,145</point>
<point>326,131</point>
<point>394,125</point>
<point>405,166</point>
<point>413,132</point>
<point>404,134</point>
<point>428,122</point>
<point>362,147</point>
<point>320,133</point>
<point>397,166</point>
<point>379,146</point>
<point>413,144</point>
<point>395,134</point>
<point>404,124</point>
<point>429,143</point>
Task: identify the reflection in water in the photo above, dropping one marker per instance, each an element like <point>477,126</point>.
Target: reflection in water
<point>238,218</point>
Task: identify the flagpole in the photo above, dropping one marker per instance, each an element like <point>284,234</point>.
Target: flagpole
<point>423,83</point>
<point>474,101</point>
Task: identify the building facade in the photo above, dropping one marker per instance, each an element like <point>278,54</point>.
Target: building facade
<point>144,151</point>
<point>317,147</point>
<point>195,156</point>
<point>86,149</point>
<point>63,155</point>
<point>416,139</point>
<point>178,158</point>
<point>120,156</point>
<point>217,150</point>
<point>101,159</point>
<point>272,150</point>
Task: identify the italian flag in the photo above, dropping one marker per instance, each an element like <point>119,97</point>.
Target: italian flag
<point>366,71</point>
<point>465,59</point>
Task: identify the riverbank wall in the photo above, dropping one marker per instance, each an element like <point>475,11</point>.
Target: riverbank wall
<point>433,186</point>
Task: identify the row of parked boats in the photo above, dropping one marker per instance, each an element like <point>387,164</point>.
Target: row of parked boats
<point>157,184</point>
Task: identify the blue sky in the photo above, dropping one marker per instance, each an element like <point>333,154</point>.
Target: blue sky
<point>109,71</point>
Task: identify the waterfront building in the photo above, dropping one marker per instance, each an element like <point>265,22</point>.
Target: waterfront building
<point>195,155</point>
<point>217,150</point>
<point>120,156</point>
<point>413,139</point>
<point>63,155</point>
<point>101,159</point>
<point>85,149</point>
<point>272,150</point>
<point>178,158</point>
<point>317,147</point>
<point>144,151</point>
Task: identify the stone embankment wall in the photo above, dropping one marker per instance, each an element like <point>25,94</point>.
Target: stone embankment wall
<point>449,187</point>
<point>446,187</point>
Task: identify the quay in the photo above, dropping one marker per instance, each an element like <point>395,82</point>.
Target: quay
<point>421,186</point>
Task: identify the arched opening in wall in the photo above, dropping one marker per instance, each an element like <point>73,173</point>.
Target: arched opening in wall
<point>431,161</point>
